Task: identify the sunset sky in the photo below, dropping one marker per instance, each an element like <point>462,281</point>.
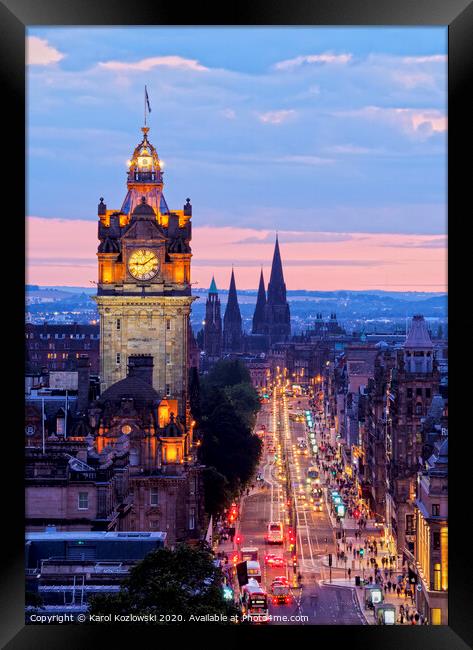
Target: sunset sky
<point>334,137</point>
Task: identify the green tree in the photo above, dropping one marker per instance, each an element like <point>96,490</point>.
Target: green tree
<point>217,492</point>
<point>244,398</point>
<point>183,581</point>
<point>229,445</point>
<point>228,373</point>
<point>228,407</point>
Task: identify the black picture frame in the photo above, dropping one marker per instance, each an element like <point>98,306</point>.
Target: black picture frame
<point>15,16</point>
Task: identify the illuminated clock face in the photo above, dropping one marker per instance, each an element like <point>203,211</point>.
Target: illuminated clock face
<point>143,264</point>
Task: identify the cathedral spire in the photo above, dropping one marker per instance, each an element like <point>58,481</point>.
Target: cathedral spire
<point>232,333</point>
<point>276,286</point>
<point>277,314</point>
<point>259,314</point>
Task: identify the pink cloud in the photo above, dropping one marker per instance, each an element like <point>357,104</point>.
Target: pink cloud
<point>145,65</point>
<point>40,52</point>
<point>63,252</point>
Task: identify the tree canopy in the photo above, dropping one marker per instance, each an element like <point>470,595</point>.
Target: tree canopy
<point>183,581</point>
<point>228,407</point>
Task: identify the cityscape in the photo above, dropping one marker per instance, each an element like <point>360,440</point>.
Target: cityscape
<point>222,423</point>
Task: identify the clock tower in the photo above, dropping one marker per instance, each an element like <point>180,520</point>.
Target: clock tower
<point>144,291</point>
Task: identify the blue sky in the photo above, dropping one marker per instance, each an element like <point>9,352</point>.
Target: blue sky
<point>300,130</point>
<point>250,131</point>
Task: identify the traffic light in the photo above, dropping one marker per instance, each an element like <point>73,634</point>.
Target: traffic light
<point>294,560</point>
<point>330,559</point>
<point>235,558</point>
<point>238,539</point>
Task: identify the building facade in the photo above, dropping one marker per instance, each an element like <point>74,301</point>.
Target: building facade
<point>56,346</point>
<point>415,382</point>
<point>431,548</point>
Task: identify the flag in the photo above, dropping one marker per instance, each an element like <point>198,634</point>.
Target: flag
<point>147,100</point>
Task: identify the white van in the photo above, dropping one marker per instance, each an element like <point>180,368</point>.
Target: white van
<point>275,534</point>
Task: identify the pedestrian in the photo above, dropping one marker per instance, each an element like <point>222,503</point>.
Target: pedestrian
<point>401,618</point>
<point>398,590</point>
<point>385,588</point>
<point>389,586</point>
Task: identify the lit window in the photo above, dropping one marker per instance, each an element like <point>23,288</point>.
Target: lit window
<point>83,501</point>
<point>437,577</point>
<point>436,616</point>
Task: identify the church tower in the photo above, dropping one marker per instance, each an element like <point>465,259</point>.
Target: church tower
<point>278,317</point>
<point>232,333</point>
<point>213,325</point>
<point>259,324</point>
<point>144,290</point>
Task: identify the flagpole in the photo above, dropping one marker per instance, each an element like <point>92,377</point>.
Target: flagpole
<point>145,105</point>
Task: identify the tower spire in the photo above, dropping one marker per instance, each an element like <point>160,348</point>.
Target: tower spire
<point>276,286</point>
<point>277,317</point>
<point>213,286</point>
<point>232,333</point>
<point>259,314</point>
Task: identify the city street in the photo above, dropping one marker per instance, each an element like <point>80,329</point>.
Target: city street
<point>283,496</point>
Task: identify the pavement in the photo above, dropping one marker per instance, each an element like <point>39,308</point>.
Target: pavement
<point>368,614</point>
